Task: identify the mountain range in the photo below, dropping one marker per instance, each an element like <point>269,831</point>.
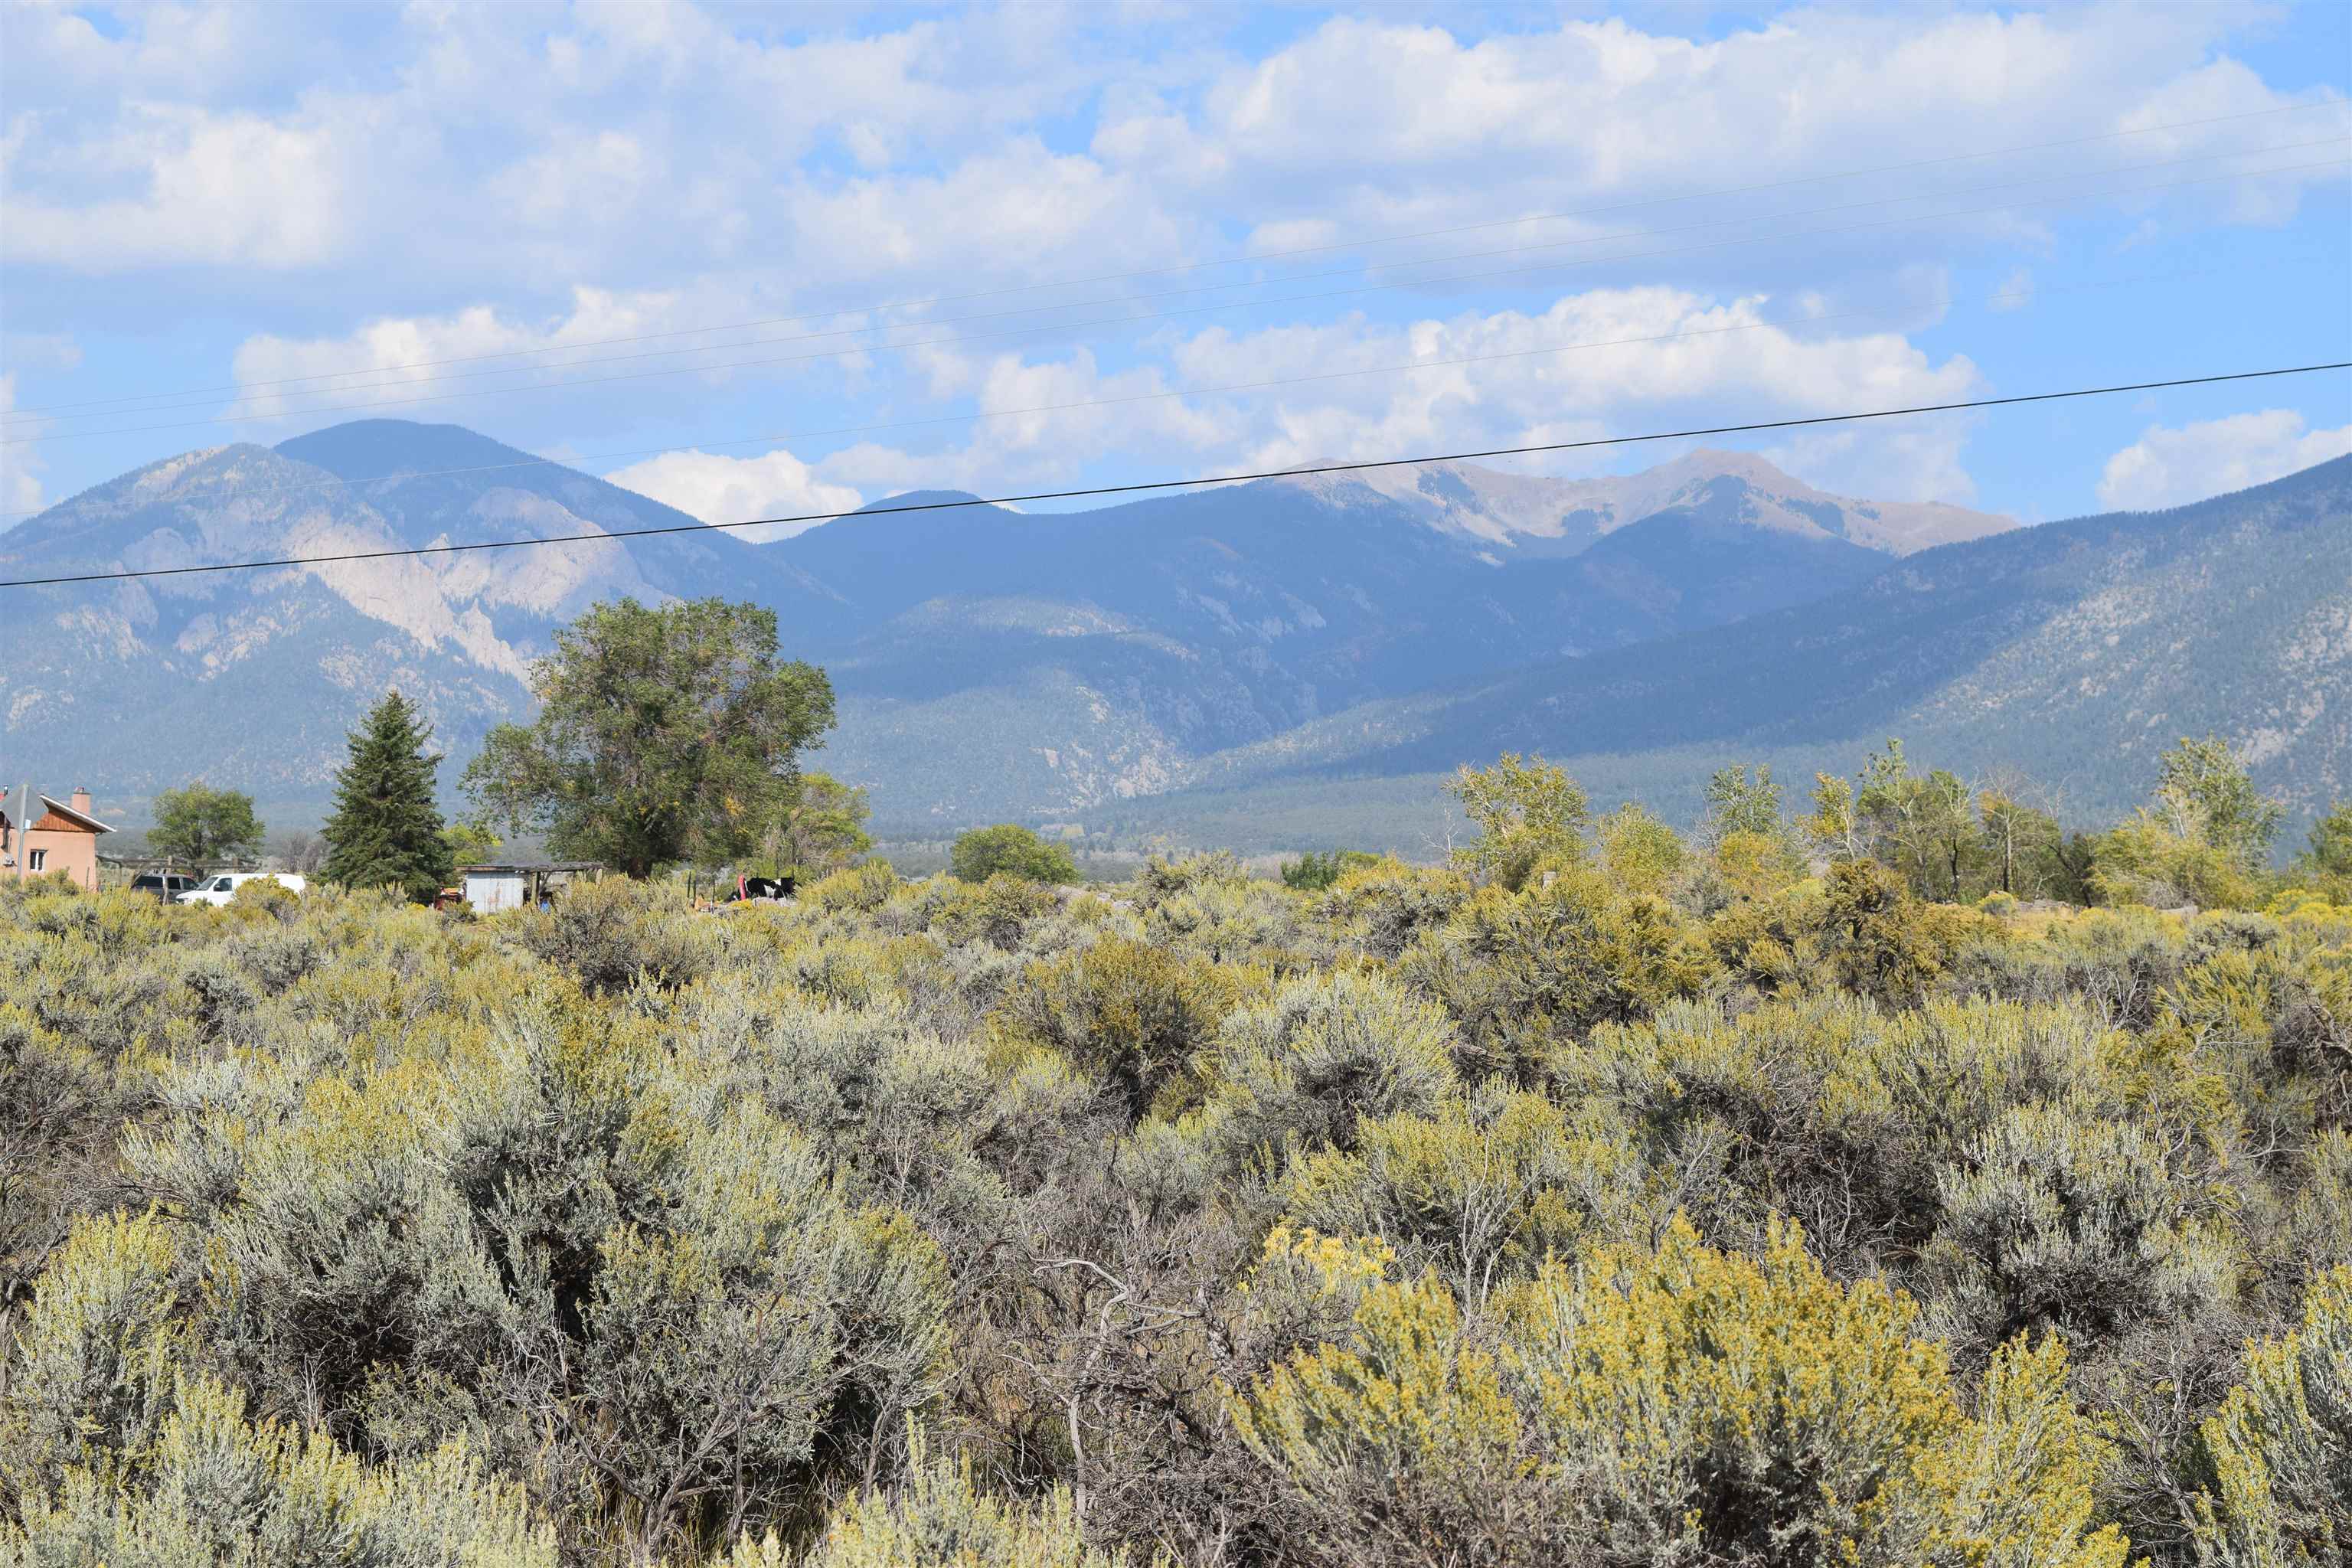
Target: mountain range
<point>1379,625</point>
<point>2072,654</point>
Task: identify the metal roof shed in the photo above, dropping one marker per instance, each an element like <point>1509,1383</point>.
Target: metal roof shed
<point>522,885</point>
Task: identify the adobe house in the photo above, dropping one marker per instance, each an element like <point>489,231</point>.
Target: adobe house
<point>63,837</point>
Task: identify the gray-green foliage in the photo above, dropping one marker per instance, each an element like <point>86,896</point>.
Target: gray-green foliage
<point>2056,1217</point>
<point>1302,1068</point>
<point>625,1232</point>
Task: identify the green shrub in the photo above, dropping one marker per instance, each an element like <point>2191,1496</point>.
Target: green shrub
<point>1312,873</point>
<point>1009,849</point>
<point>91,1375</point>
<point>2053,1218</point>
<point>1127,1014</point>
<point>938,1517</point>
<point>614,934</point>
<point>1523,972</point>
<point>216,1487</point>
<point>622,1233</point>
<point>1379,909</point>
<point>1482,1191</point>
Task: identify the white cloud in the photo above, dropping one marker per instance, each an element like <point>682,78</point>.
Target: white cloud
<point>722,490</point>
<point>1008,214</point>
<point>185,184</point>
<point>482,141</point>
<point>20,467</point>
<point>451,181</point>
<point>2015,293</point>
<point>2168,467</point>
<point>436,367</point>
<point>1635,358</point>
<point>1634,361</point>
<point>1401,125</point>
<point>625,144</point>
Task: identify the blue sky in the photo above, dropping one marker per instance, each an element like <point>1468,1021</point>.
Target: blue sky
<point>241,223</point>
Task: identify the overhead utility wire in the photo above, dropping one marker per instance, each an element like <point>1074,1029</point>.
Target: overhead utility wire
<point>337,481</point>
<point>1148,485</point>
<point>230,413</point>
<point>1244,259</point>
<point>1188,311</point>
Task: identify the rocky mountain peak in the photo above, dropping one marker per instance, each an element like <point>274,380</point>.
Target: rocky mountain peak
<point>1539,516</point>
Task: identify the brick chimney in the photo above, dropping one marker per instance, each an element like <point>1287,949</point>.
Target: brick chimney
<point>80,802</point>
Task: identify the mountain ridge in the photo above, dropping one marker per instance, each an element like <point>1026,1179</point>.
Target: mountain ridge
<point>992,663</point>
<point>1542,515</point>
<point>2103,636</point>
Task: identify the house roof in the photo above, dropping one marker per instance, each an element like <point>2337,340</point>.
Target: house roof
<point>79,818</point>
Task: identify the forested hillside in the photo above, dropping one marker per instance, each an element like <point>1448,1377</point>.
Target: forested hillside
<point>2072,652</point>
<point>1604,1197</point>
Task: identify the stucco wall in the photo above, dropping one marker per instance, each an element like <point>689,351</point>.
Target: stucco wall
<point>74,853</point>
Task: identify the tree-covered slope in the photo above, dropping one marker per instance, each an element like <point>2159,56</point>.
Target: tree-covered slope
<point>2075,650</point>
<point>1142,637</point>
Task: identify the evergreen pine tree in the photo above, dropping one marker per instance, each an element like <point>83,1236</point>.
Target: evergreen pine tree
<point>386,830</point>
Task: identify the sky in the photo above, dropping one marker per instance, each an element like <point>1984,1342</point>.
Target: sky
<point>765,260</point>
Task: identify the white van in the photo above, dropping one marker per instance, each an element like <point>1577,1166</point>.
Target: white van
<point>220,889</point>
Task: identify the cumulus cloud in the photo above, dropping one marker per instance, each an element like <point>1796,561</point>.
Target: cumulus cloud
<point>722,490</point>
<point>1632,358</point>
<point>1013,212</point>
<point>184,185</point>
<point>626,143</point>
<point>470,181</point>
<point>412,366</point>
<point>20,467</point>
<point>1404,124</point>
<point>1598,362</point>
<point>2170,467</point>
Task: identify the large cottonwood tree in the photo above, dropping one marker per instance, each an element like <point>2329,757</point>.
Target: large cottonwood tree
<point>201,827</point>
<point>665,733</point>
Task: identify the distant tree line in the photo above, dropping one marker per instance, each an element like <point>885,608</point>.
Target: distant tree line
<point>673,735</point>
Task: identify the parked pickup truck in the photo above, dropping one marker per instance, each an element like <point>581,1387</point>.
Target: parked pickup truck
<point>220,889</point>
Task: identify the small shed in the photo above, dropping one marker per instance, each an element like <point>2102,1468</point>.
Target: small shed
<point>524,885</point>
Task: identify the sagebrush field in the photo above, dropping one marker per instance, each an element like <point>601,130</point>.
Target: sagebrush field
<point>1627,1217</point>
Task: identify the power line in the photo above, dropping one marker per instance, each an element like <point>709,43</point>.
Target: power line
<point>1197,309</point>
<point>1244,259</point>
<point>2034,291</point>
<point>231,412</point>
<point>1148,484</point>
